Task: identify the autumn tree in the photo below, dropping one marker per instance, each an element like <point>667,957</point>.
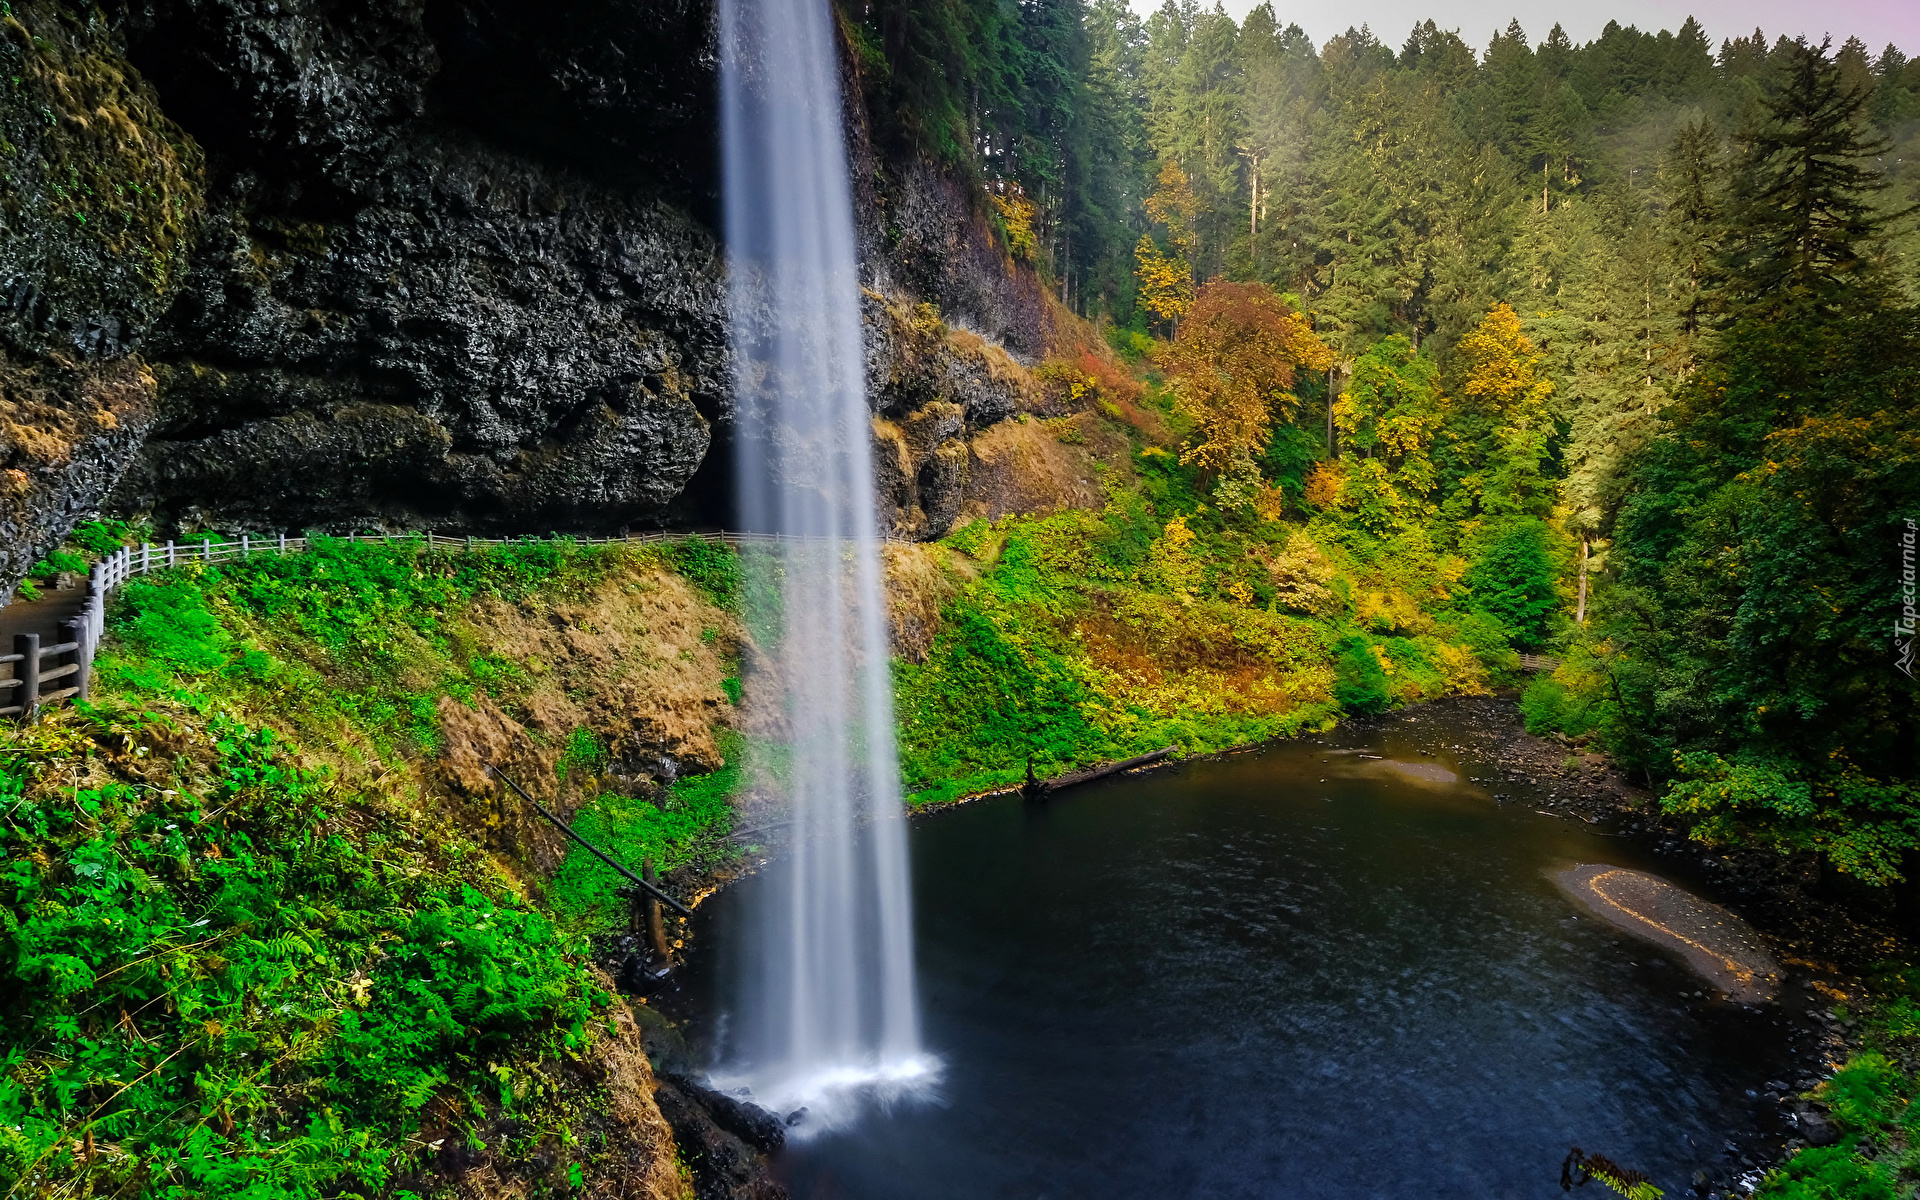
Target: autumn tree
<point>1166,279</point>
<point>1233,367</point>
<point>1500,375</point>
<point>1387,416</point>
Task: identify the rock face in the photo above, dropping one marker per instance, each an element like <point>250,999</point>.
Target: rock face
<point>405,310</point>
<point>99,203</point>
<point>286,264</point>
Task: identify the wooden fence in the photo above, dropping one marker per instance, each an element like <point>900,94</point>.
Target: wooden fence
<point>80,637</point>
<point>1539,662</point>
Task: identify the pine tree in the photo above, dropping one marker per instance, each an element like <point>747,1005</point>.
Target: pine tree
<point>1692,185</point>
<point>1807,228</point>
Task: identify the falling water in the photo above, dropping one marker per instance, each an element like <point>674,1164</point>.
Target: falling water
<point>828,1006</point>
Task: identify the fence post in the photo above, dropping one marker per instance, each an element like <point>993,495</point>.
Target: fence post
<point>172,552</point>
<point>246,546</point>
<point>71,631</point>
<point>27,646</point>
<point>283,545</point>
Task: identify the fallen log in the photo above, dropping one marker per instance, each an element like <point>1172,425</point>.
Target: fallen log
<point>1040,789</point>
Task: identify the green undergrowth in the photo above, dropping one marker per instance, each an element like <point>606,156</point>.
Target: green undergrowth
<point>1162,619</point>
<point>346,643</point>
<point>229,975</point>
<point>686,826</point>
<point>1872,1099</point>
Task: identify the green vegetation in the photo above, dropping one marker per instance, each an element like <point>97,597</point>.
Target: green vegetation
<point>234,976</point>
<point>1621,361</point>
<point>688,826</point>
<point>259,945</point>
<point>350,642</point>
<point>1872,1100</point>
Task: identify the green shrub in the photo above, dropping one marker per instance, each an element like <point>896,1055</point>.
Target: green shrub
<point>712,567</point>
<point>1547,707</point>
<point>973,539</point>
<point>101,538</point>
<point>233,990</point>
<point>1828,1173</point>
<point>1864,1094</point>
<point>689,825</point>
<point>1360,684</point>
<point>1512,581</point>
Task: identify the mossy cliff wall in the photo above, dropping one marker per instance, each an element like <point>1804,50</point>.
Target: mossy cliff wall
<point>100,199</point>
<point>278,264</point>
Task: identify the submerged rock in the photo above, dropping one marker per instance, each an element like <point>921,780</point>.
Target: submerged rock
<point>1716,944</point>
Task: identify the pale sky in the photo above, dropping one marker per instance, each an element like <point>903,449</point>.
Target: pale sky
<point>1876,22</point>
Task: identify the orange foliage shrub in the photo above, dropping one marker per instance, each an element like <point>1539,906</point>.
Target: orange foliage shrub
<point>1233,365</point>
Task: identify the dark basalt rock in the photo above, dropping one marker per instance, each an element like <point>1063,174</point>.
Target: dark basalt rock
<point>99,204</point>
<point>444,264</point>
<point>481,345</point>
<point>744,1119</point>
<point>405,310</point>
<point>724,1165</point>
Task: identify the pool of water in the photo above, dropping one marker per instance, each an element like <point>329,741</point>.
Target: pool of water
<point>1294,973</point>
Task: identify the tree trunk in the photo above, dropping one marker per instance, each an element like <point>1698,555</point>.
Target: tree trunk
<point>1333,446</point>
<point>1580,609</point>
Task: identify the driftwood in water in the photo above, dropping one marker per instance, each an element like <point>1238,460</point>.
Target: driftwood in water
<point>1040,789</point>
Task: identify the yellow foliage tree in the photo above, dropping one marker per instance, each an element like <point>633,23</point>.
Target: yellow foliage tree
<point>1173,206</point>
<point>1166,284</point>
<point>1016,218</point>
<point>1170,565</point>
<point>1233,365</point>
<point>1503,376</point>
<point>1166,280</point>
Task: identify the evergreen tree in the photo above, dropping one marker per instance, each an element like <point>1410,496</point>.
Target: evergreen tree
<point>1807,227</point>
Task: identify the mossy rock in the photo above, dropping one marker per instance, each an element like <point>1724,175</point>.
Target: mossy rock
<point>101,195</point>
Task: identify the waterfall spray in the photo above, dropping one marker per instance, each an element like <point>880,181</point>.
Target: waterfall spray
<point>828,1003</point>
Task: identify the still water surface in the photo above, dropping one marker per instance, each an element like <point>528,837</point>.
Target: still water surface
<point>1293,974</point>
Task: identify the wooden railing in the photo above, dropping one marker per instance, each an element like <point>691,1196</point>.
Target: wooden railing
<point>1539,662</point>
<point>80,637</point>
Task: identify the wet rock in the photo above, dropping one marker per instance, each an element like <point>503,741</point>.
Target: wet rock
<point>742,1118</point>
<point>724,1166</point>
<point>1816,1129</point>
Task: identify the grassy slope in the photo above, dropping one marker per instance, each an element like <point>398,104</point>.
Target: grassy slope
<point>1082,636</point>
<point>294,964</point>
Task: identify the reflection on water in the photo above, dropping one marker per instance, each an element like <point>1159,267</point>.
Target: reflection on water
<point>1297,973</point>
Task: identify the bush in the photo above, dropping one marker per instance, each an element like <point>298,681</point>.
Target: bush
<point>231,987</point>
<point>712,567</point>
<point>1828,1173</point>
<point>1550,706</point>
<point>1512,581</point>
<point>1360,684</point>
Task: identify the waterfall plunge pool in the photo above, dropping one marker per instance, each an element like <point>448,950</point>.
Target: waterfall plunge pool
<point>1291,973</point>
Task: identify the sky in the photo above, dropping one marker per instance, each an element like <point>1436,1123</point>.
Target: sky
<point>1876,22</point>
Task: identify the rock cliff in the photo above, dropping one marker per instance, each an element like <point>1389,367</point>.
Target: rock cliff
<point>279,264</point>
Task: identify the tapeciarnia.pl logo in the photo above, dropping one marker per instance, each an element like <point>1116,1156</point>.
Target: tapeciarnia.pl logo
<point>1904,624</point>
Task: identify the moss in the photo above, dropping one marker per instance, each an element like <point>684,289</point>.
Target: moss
<point>103,194</point>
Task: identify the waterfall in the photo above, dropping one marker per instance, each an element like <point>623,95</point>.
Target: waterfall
<point>827,1006</point>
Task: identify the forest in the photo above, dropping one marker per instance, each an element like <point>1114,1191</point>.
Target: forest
<point>1573,388</point>
<point>1623,330</point>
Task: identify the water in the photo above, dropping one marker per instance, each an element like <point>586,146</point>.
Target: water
<point>829,1006</point>
<point>1235,980</point>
